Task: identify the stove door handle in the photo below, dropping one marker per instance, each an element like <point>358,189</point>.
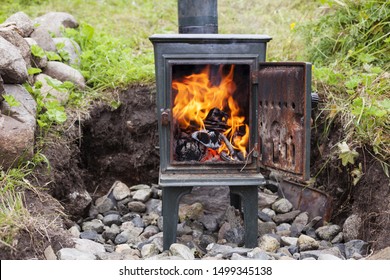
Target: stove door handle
<point>165,116</point>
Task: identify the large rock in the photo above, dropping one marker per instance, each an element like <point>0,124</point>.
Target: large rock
<point>12,35</point>
<point>23,23</point>
<point>299,224</point>
<point>136,206</point>
<point>56,21</point>
<point>209,222</point>
<point>72,48</point>
<point>306,243</point>
<point>120,190</point>
<point>78,201</point>
<point>74,254</point>
<point>44,40</point>
<point>17,127</point>
<point>286,217</point>
<point>89,246</point>
<point>266,200</point>
<point>282,206</point>
<point>26,111</point>
<point>103,204</point>
<point>16,141</point>
<point>335,252</point>
<point>142,195</point>
<point>63,72</point>
<point>111,219</point>
<point>351,227</point>
<point>149,250</point>
<point>193,212</point>
<point>95,224</point>
<point>231,234</point>
<point>49,253</point>
<point>258,254</point>
<point>13,68</point>
<point>226,251</point>
<point>328,232</point>
<point>269,243</point>
<point>181,251</point>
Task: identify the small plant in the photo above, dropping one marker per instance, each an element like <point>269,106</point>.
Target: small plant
<point>33,71</point>
<point>37,51</point>
<point>62,52</point>
<point>347,155</point>
<point>49,109</point>
<point>12,102</point>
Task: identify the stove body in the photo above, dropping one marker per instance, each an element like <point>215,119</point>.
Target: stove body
<point>272,99</point>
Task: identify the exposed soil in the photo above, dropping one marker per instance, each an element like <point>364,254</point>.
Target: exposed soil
<point>112,144</point>
<point>369,198</point>
<point>122,144</point>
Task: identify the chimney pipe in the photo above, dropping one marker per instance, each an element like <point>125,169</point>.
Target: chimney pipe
<point>198,16</point>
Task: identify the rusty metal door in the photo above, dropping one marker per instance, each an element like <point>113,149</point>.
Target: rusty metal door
<point>284,106</point>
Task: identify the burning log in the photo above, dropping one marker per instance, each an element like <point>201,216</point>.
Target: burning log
<point>210,139</point>
<point>234,155</point>
<point>228,145</point>
<point>216,120</point>
<point>207,144</point>
<point>188,149</point>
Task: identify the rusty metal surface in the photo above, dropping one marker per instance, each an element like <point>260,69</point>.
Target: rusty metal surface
<point>284,117</point>
<point>305,198</point>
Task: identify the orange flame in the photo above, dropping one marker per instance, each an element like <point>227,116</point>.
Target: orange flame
<point>196,96</point>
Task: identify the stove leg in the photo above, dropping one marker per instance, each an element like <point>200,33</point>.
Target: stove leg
<point>170,207</point>
<point>249,197</point>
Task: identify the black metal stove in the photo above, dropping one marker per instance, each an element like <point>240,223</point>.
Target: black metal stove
<point>224,115</point>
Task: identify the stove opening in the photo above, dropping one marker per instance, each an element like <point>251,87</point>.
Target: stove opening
<point>210,111</point>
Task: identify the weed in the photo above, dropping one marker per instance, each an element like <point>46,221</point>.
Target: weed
<point>12,216</point>
<point>12,211</point>
<point>10,99</point>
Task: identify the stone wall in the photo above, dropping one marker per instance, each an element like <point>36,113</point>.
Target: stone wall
<point>18,117</point>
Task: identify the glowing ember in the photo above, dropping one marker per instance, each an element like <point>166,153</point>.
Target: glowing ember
<point>207,112</point>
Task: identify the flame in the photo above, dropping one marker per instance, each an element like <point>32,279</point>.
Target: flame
<point>196,95</point>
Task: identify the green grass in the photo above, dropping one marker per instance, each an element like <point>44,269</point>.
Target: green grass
<point>350,48</point>
<point>13,214</point>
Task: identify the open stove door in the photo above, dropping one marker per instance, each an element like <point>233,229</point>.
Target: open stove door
<point>284,116</point>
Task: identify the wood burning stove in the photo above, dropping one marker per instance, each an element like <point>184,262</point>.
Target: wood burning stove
<point>224,115</point>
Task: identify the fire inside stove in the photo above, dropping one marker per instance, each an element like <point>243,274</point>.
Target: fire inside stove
<point>210,113</point>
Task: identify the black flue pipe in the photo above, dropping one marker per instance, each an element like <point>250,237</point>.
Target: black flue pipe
<point>198,16</point>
